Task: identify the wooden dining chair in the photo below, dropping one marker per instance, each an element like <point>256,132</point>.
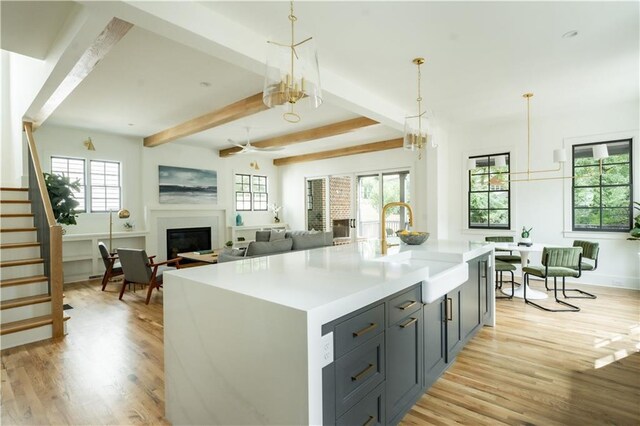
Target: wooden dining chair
<point>557,262</point>
<point>112,267</point>
<point>140,268</point>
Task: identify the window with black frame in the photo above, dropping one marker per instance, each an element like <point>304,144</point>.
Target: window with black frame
<point>243,192</point>
<point>489,198</point>
<point>603,201</point>
<point>309,195</point>
<point>259,192</point>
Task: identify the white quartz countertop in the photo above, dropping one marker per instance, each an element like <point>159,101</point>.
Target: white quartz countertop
<point>331,281</point>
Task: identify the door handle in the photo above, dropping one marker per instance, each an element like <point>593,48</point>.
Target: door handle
<point>449,309</point>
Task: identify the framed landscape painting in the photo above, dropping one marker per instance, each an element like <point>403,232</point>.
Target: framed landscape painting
<point>181,185</point>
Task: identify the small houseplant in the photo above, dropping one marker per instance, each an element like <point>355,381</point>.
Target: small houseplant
<point>63,202</point>
<point>635,231</point>
<point>275,209</point>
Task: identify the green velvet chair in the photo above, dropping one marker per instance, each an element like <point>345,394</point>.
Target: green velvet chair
<point>501,268</point>
<point>557,262</point>
<point>509,258</point>
<point>590,251</point>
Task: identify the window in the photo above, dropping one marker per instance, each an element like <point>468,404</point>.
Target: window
<point>73,168</point>
<point>259,192</point>
<point>309,195</point>
<point>602,202</point>
<point>105,186</point>
<point>243,192</point>
<point>490,193</point>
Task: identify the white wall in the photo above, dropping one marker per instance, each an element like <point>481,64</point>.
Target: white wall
<point>543,205</point>
<point>21,78</point>
<point>140,179</point>
<point>65,141</point>
<point>174,154</point>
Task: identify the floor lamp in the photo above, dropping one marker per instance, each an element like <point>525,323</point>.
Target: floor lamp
<point>122,214</point>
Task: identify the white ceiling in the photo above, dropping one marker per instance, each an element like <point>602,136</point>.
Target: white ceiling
<point>30,28</point>
<point>481,57</point>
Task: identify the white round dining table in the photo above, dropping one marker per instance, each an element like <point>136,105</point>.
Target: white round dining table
<point>524,258</point>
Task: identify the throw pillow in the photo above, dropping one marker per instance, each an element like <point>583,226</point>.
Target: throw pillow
<point>276,234</point>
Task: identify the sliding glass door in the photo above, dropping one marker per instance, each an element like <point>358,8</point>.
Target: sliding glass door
<point>394,186</point>
<point>350,206</point>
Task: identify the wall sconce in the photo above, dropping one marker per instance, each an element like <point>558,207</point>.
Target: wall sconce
<point>254,165</point>
<point>89,145</point>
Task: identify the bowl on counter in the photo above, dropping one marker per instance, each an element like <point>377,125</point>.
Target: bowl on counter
<point>412,238</point>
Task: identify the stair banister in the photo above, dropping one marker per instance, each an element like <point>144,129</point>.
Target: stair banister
<point>49,232</point>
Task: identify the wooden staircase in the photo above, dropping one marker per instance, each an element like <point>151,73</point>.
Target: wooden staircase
<point>25,299</point>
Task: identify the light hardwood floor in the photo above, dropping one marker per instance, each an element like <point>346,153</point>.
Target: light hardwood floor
<point>535,367</point>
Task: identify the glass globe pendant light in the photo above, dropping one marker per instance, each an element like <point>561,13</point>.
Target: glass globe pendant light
<point>417,129</point>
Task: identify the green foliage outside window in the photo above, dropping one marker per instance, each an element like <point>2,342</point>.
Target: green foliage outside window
<point>602,202</point>
<point>489,194</point>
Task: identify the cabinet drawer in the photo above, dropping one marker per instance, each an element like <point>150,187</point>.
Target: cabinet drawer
<point>369,411</point>
<point>358,373</point>
<point>361,328</point>
<point>405,304</point>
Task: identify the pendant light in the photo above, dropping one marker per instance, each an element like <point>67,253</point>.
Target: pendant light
<point>292,76</point>
<point>559,156</point>
<point>417,129</point>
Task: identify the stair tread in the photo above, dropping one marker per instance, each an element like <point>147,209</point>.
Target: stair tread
<point>21,262</point>
<point>16,215</point>
<point>9,188</point>
<point>18,245</point>
<point>26,324</point>
<point>23,280</point>
<point>29,229</point>
<point>15,201</point>
<point>24,301</point>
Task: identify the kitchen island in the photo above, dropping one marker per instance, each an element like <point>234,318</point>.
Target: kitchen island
<point>260,341</point>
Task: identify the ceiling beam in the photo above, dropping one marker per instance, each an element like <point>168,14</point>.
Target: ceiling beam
<point>333,129</point>
<point>93,54</point>
<point>341,152</point>
<point>235,111</point>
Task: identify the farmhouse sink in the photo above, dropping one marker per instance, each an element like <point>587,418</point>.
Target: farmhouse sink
<point>440,278</point>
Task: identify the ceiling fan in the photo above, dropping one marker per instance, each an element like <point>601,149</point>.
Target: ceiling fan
<point>248,148</point>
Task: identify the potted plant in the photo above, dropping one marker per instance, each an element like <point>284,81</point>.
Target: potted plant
<point>635,231</point>
<point>63,202</point>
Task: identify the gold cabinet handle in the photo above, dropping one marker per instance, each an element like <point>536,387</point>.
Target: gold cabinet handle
<point>365,330</point>
<point>369,421</point>
<point>361,374</point>
<point>449,309</point>
<point>408,323</point>
<point>407,306</point>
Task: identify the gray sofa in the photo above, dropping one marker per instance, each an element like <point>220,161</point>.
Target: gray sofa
<point>274,242</point>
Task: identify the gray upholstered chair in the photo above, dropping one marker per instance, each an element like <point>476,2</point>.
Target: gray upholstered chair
<point>502,255</point>
<point>556,262</point>
<point>140,268</point>
<point>112,267</point>
<point>501,268</point>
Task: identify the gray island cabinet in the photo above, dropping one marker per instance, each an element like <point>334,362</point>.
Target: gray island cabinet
<point>380,371</point>
<point>334,335</point>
